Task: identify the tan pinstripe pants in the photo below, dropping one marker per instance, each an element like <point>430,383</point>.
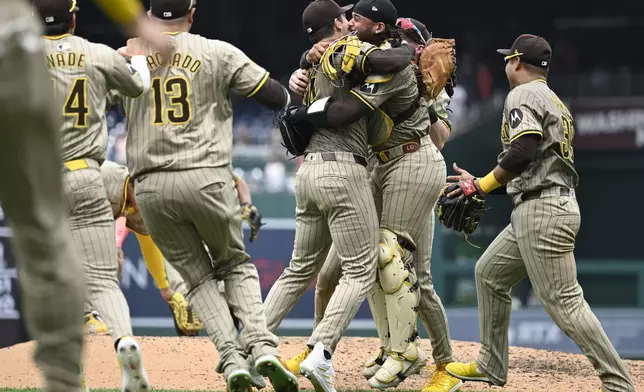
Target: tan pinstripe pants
<point>411,186</point>
<point>183,210</point>
<point>92,225</point>
<point>31,194</point>
<point>333,205</point>
<point>539,242</point>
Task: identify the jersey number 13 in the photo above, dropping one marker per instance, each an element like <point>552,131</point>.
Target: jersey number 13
<point>177,91</point>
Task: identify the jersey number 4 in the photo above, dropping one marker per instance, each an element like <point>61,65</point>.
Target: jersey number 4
<point>179,110</point>
<point>76,103</point>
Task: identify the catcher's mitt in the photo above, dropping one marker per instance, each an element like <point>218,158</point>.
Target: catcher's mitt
<point>253,217</point>
<point>461,213</point>
<point>437,64</point>
<point>296,135</point>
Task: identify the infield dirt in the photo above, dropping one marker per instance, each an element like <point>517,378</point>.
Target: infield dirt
<point>189,364</point>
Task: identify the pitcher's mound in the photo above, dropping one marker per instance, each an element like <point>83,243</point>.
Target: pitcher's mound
<point>189,364</point>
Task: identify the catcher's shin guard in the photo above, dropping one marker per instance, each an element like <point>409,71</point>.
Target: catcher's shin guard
<point>398,282</point>
<point>377,305</point>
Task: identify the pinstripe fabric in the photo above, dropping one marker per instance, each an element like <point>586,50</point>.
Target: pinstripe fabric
<point>174,278</point>
<point>185,121</point>
<point>82,74</point>
<point>92,225</point>
<point>184,210</point>
<point>31,194</point>
<point>412,185</point>
<point>333,205</point>
<point>539,242</point>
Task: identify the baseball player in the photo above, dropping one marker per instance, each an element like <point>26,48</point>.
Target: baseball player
<point>179,148</point>
<point>120,194</point>
<point>431,306</point>
<point>537,164</point>
<point>82,74</point>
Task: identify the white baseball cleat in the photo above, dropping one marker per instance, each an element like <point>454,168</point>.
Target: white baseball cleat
<point>134,377</point>
<point>238,381</point>
<point>318,369</point>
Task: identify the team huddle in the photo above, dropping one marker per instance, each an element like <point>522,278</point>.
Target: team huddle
<point>367,109</point>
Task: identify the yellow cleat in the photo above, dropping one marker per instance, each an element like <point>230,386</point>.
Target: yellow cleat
<point>441,381</point>
<point>293,363</point>
<point>94,324</point>
<point>466,372</point>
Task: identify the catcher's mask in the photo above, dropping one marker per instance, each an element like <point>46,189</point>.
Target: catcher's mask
<point>340,57</point>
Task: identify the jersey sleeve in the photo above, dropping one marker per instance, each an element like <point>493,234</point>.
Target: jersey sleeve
<point>523,113</point>
<point>122,77</point>
<point>377,89</point>
<point>238,72</point>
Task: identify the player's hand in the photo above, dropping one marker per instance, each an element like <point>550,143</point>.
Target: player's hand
<point>299,81</point>
<point>143,28</point>
<point>253,217</point>
<point>461,177</point>
<point>315,54</point>
<point>136,47</point>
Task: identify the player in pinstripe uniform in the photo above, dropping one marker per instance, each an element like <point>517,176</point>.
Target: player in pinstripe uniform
<point>537,164</point>
<point>120,194</point>
<point>82,74</point>
<point>432,311</point>
<point>179,148</point>
<point>33,204</point>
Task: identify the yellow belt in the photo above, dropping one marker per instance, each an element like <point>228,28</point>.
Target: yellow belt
<point>76,164</point>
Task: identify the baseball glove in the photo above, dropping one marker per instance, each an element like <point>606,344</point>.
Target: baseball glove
<point>186,322</point>
<point>437,65</point>
<point>461,213</point>
<point>296,135</point>
<point>253,217</point>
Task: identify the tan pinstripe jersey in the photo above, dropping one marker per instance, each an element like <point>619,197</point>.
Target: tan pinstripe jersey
<point>82,74</point>
<point>389,96</point>
<point>533,108</point>
<point>186,120</point>
<point>352,138</point>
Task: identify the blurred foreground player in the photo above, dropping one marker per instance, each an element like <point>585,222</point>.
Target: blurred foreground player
<point>33,203</point>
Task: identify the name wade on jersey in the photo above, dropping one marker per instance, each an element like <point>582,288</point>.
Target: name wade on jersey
<point>179,60</point>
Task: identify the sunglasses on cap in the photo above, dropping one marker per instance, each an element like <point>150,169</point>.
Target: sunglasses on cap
<point>407,25</point>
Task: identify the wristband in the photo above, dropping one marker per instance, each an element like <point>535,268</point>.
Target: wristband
<point>489,183</point>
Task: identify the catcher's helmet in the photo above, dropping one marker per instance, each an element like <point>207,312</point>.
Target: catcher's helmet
<point>340,57</point>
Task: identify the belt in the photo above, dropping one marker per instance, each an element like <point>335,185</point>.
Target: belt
<point>78,164</point>
<point>398,151</point>
<point>330,156</point>
<point>537,194</point>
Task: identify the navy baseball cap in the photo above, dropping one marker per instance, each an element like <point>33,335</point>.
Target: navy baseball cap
<point>171,9</point>
<point>531,49</point>
<point>54,12</point>
<point>378,11</point>
<point>320,13</point>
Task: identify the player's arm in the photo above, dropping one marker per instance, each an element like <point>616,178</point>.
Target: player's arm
<point>373,61</point>
<point>243,191</point>
<point>329,112</point>
<point>131,80</point>
<point>440,127</point>
<point>244,76</point>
